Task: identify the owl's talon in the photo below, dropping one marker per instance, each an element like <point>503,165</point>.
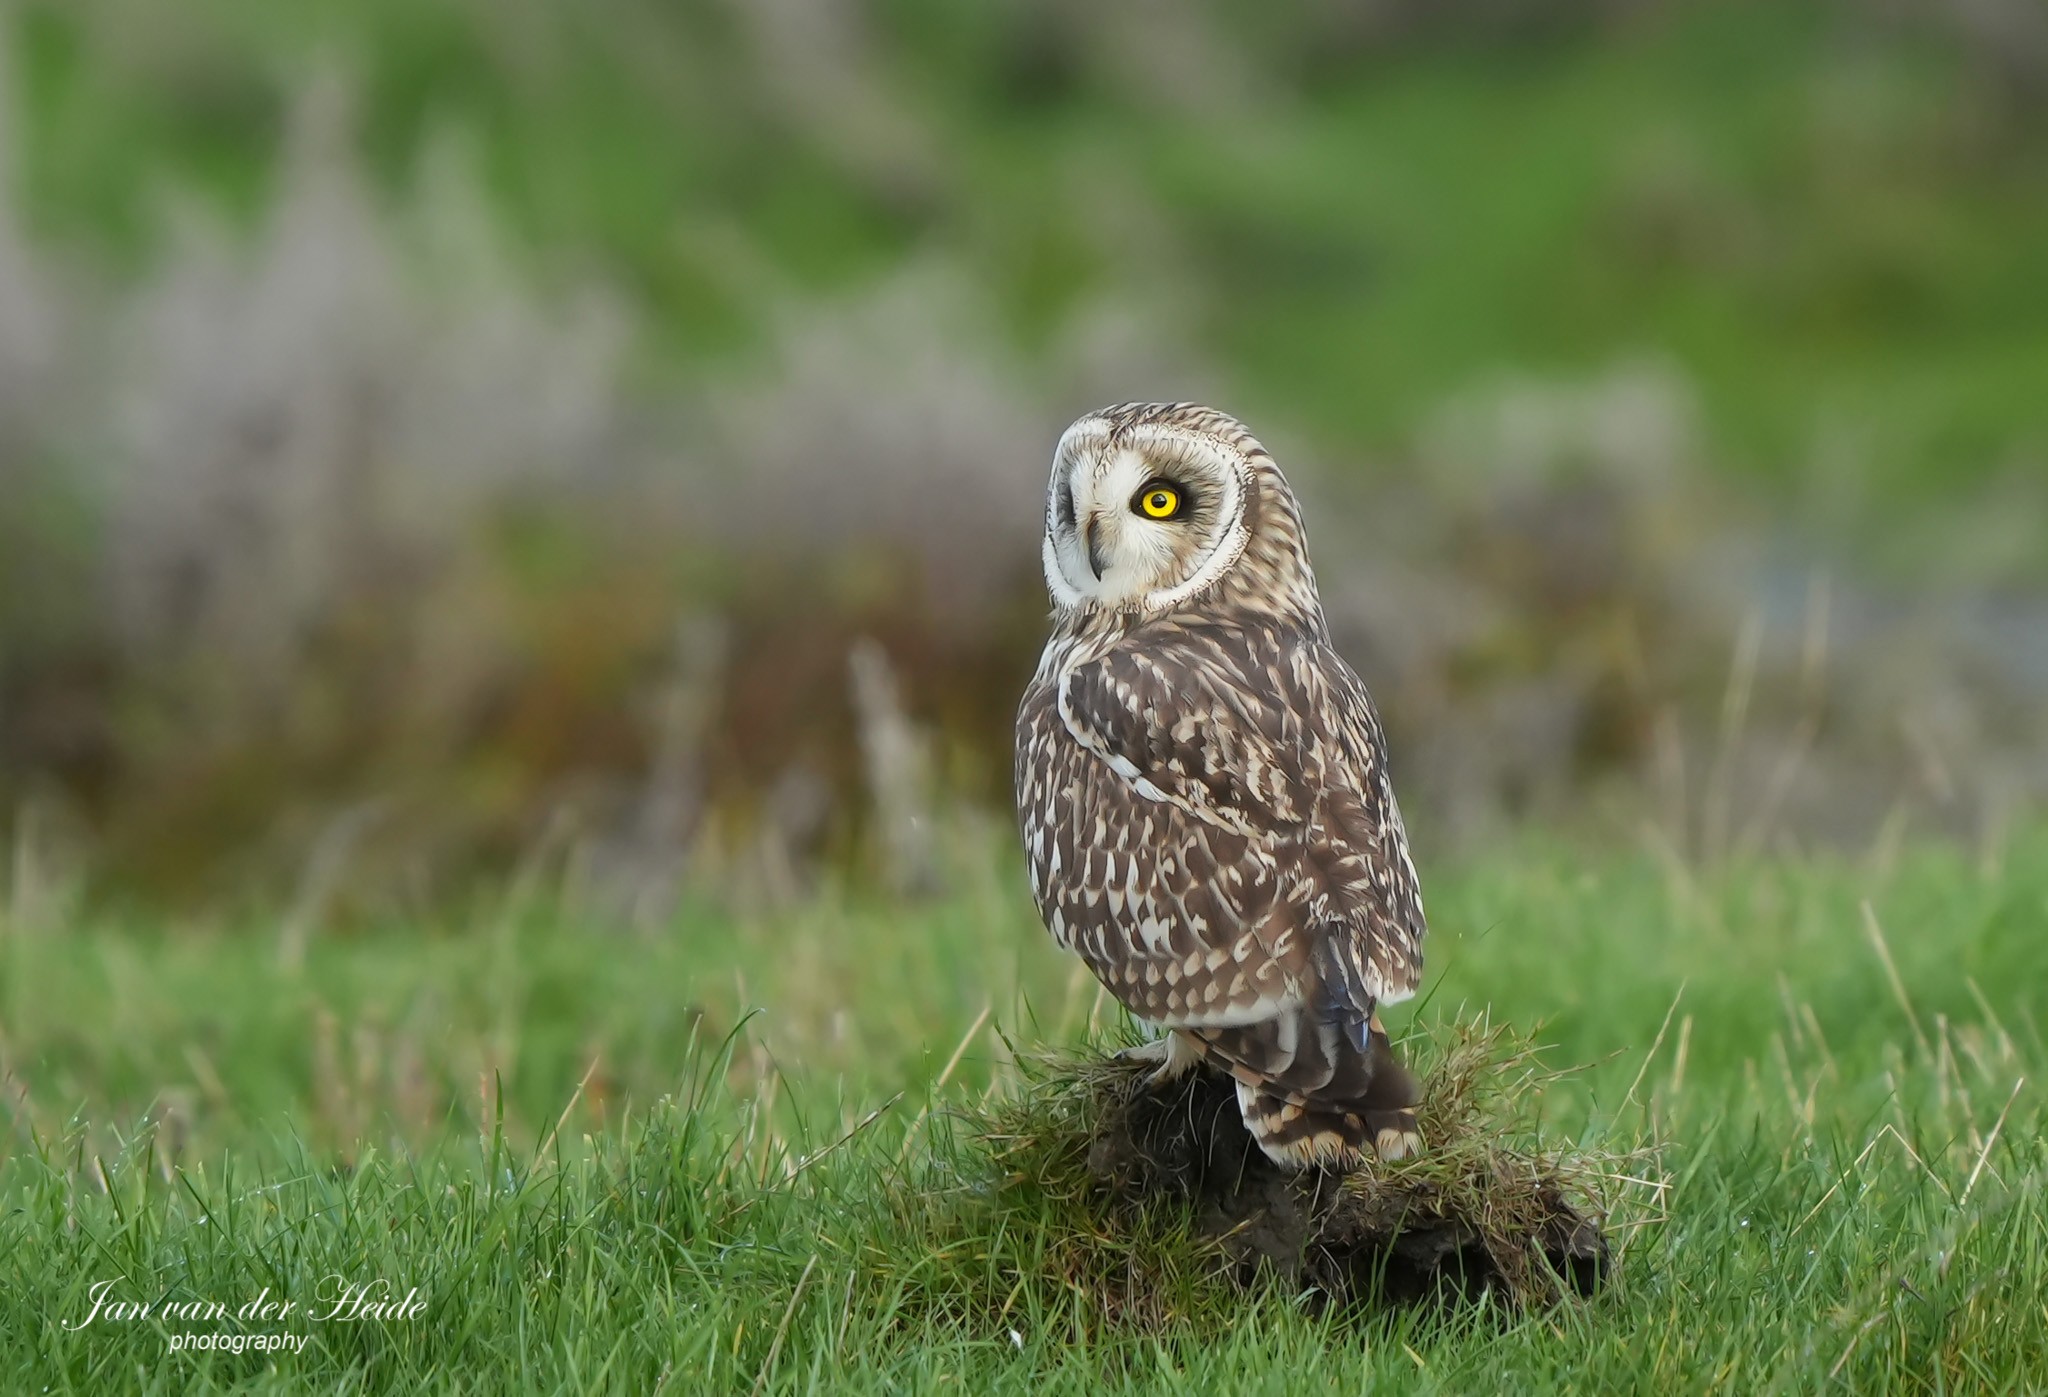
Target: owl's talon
<point>1175,1054</point>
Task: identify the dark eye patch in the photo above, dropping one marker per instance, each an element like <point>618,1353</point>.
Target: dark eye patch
<point>1063,502</point>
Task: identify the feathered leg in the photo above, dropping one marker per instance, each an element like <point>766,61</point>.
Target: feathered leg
<point>1176,1053</point>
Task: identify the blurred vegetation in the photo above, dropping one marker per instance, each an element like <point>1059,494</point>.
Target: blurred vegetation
<point>421,420</point>
<point>1830,214</point>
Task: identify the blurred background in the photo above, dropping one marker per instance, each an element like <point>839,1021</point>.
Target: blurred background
<point>443,438</point>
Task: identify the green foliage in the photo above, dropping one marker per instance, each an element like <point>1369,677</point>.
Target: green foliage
<point>803,1201</point>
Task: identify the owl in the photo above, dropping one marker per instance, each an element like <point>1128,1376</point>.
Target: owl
<point>1202,785</point>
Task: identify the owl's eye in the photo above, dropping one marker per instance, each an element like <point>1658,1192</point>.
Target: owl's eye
<point>1159,500</point>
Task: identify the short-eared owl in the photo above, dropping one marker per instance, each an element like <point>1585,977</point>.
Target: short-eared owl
<point>1202,784</point>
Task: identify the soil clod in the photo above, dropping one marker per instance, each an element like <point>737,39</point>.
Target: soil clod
<point>1474,1214</point>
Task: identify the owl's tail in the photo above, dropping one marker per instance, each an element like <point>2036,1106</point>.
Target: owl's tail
<point>1299,1132</point>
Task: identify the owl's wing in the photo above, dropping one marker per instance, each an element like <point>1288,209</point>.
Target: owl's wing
<point>1271,736</point>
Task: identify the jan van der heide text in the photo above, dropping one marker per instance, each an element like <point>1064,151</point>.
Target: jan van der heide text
<point>337,1300</point>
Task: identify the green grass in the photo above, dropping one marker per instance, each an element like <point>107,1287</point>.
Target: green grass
<point>797,1201</point>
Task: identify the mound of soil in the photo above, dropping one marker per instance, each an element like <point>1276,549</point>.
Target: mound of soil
<point>1467,1219</point>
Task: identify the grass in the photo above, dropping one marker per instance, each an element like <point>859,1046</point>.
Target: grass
<point>600,1174</point>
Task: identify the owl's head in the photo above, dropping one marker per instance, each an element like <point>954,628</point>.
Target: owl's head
<point>1152,505</point>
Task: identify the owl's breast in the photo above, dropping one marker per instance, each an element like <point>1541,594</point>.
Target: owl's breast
<point>1183,921</point>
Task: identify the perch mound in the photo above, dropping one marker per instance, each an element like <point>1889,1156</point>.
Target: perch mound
<point>1478,1219</point>
<point>1484,1209</point>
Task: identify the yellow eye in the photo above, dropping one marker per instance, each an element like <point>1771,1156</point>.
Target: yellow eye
<point>1158,501</point>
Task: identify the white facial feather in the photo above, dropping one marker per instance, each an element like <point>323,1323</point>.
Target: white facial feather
<point>1145,563</point>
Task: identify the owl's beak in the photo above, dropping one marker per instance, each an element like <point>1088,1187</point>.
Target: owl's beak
<point>1095,563</point>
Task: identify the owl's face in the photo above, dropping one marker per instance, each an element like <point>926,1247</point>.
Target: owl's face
<point>1143,515</point>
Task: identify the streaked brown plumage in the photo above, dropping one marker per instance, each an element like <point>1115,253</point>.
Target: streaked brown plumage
<point>1202,783</point>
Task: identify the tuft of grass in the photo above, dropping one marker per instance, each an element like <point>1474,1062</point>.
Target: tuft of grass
<point>1490,1205</point>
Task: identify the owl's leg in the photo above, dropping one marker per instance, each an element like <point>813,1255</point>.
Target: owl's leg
<point>1175,1052</point>
<point>1388,1109</point>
